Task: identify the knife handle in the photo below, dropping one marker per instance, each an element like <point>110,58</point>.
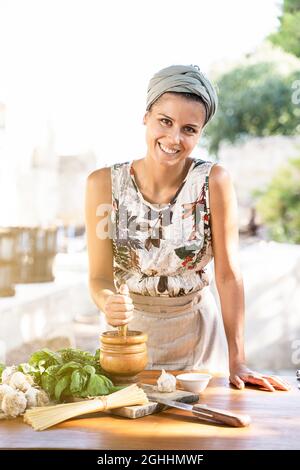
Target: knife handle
<point>226,417</point>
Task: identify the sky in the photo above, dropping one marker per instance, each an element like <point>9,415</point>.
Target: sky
<point>79,69</point>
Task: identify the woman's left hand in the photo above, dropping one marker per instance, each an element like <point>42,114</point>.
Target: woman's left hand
<point>240,375</point>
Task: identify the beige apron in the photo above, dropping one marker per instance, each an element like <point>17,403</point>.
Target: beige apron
<point>183,332</point>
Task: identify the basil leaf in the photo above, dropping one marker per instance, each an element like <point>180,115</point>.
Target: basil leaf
<point>61,386</point>
<point>52,370</point>
<point>48,357</point>
<point>76,355</point>
<point>48,383</point>
<point>96,386</point>
<point>77,382</point>
<point>90,370</point>
<point>68,367</point>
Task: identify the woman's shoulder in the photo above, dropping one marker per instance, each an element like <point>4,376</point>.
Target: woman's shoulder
<point>221,186</point>
<point>104,173</point>
<point>219,174</point>
<point>210,170</point>
<point>99,183</point>
<point>101,175</point>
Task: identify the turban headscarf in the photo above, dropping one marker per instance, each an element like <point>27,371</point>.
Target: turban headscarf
<point>183,78</point>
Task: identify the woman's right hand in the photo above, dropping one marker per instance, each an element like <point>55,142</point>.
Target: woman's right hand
<point>118,308</point>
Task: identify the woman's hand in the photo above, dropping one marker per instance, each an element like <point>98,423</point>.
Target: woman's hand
<point>118,308</point>
<point>240,374</point>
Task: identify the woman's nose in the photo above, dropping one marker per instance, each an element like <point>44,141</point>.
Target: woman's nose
<point>175,136</point>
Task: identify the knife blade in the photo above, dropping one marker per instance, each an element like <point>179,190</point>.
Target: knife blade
<point>203,411</point>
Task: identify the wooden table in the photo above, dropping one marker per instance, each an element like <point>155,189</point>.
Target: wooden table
<point>275,425</point>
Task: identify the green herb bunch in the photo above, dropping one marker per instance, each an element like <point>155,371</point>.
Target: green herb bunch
<point>68,373</point>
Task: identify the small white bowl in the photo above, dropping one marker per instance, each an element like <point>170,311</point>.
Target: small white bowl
<point>194,382</point>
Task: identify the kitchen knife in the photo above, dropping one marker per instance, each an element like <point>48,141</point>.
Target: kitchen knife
<point>203,411</point>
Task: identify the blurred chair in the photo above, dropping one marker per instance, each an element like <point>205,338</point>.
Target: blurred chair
<point>36,248</point>
<point>7,262</point>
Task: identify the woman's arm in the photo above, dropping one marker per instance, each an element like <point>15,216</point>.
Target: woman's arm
<point>225,243</point>
<point>98,194</point>
<point>229,281</point>
<point>117,307</point>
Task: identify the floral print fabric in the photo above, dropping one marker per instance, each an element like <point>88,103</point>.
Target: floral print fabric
<point>161,249</point>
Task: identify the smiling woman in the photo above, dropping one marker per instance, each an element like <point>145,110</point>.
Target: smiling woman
<point>173,128</point>
<point>169,215</point>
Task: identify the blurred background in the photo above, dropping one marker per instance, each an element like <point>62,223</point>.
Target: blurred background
<point>73,85</point>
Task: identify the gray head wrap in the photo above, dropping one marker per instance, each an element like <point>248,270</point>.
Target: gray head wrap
<point>187,79</point>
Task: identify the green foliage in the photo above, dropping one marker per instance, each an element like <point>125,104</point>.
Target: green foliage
<point>44,359</point>
<point>288,35</point>
<point>2,367</point>
<point>68,372</point>
<point>291,6</point>
<point>279,204</point>
<point>254,100</point>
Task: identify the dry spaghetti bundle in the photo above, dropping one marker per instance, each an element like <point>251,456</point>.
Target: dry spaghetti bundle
<point>41,418</point>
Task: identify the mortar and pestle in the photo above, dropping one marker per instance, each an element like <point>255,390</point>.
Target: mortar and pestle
<point>123,353</point>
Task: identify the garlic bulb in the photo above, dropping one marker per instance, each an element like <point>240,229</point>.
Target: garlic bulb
<point>19,381</point>
<point>42,398</point>
<point>19,393</point>
<point>31,397</point>
<point>7,373</point>
<point>5,390</point>
<point>14,404</point>
<point>166,382</point>
<point>36,397</point>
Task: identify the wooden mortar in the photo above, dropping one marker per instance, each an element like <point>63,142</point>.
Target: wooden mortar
<point>123,357</point>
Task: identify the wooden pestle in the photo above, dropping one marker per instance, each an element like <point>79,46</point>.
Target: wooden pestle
<point>122,329</point>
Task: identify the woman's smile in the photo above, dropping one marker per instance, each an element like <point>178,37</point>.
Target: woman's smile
<point>167,150</point>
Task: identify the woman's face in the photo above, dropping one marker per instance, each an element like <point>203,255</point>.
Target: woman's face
<point>173,128</point>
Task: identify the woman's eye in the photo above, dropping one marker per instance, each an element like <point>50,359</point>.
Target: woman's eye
<point>167,121</point>
<point>191,129</point>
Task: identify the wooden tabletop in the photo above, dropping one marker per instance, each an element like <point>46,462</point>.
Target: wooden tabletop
<point>275,425</point>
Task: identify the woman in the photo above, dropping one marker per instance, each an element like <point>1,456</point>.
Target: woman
<point>169,214</point>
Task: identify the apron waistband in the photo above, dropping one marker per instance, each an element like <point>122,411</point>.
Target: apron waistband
<point>167,305</point>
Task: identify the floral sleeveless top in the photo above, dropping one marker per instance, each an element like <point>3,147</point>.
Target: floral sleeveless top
<point>161,249</point>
